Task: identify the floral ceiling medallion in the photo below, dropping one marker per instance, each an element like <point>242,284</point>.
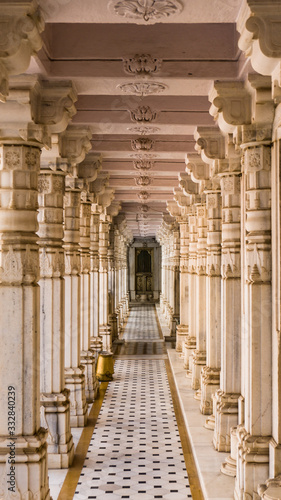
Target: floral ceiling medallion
<point>142,88</point>
<point>145,10</point>
<point>143,130</point>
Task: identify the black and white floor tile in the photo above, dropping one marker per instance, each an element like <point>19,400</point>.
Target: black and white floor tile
<point>135,451</point>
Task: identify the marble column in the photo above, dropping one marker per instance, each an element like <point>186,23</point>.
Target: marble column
<point>190,344</point>
<point>112,285</point>
<point>182,328</point>
<point>87,355</point>
<point>75,145</point>
<point>55,404</point>
<point>94,273</point>
<point>226,398</point>
<point>254,434</point>
<point>74,370</point>
<point>104,327</point>
<point>210,375</point>
<point>199,355</point>
<point>20,430</point>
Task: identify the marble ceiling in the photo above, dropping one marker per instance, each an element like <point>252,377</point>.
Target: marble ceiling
<point>143,70</point>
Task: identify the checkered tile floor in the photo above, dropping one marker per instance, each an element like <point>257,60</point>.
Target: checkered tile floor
<point>135,451</point>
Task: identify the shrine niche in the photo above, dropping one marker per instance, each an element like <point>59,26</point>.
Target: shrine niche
<point>144,273</point>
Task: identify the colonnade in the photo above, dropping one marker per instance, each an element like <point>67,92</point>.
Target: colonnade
<point>227,211</point>
<point>56,216</point>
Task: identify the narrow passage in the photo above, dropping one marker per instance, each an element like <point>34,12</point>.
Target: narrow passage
<point>135,451</point>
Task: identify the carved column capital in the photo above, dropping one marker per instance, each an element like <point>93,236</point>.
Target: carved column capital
<point>21,25</point>
<point>230,105</point>
<point>259,25</point>
<point>75,143</point>
<point>210,143</point>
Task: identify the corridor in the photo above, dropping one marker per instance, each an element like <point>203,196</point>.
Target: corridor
<point>135,451</point>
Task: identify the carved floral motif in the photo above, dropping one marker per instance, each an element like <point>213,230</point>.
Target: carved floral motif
<point>142,88</point>
<point>147,10</point>
<point>143,114</point>
<point>142,144</point>
<point>142,65</point>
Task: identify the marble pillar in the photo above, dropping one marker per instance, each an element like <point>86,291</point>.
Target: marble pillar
<point>74,370</point>
<point>104,327</point>
<point>199,355</point>
<point>210,375</point>
<point>182,328</point>
<point>55,404</point>
<point>87,355</point>
<point>254,434</point>
<point>21,436</point>
<point>190,344</point>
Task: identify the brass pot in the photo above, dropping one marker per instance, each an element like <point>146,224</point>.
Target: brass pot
<point>105,366</point>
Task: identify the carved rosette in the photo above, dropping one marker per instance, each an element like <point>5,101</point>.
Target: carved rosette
<point>145,11</point>
<point>142,88</point>
<point>143,195</point>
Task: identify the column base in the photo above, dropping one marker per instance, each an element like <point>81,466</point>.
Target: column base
<point>210,383</point>
<point>210,423</point>
<point>229,468</point>
<point>55,416</point>
<point>112,319</point>
<point>96,344</point>
<point>252,464</point>
<point>27,473</point>
<point>271,490</point>
<point>189,348</point>
<point>198,361</point>
<point>75,383</point>
<point>105,334</point>
<point>181,332</point>
<point>226,416</point>
<point>91,383</point>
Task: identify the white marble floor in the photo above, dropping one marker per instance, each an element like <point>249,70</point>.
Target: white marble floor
<point>135,451</point>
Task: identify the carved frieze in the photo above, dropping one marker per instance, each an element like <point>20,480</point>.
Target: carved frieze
<point>145,130</point>
<point>19,265</point>
<point>145,11</point>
